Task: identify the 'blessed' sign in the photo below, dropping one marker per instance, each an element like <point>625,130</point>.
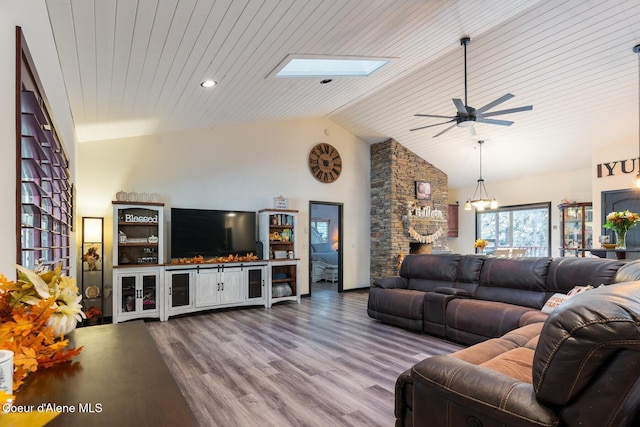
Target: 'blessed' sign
<point>140,218</point>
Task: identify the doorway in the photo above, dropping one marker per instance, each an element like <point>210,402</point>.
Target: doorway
<point>325,247</point>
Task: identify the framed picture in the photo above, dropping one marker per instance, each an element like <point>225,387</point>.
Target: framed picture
<point>423,190</point>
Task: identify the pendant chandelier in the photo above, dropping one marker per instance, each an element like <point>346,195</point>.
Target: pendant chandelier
<point>636,182</point>
<point>481,199</point>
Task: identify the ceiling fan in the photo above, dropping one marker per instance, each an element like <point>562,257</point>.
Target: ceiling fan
<point>466,116</point>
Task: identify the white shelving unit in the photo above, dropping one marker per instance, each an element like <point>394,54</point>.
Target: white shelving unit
<point>277,231</point>
<point>138,254</point>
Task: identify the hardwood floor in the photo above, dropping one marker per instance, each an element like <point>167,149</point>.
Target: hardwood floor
<point>323,362</point>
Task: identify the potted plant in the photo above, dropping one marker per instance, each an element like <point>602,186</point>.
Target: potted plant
<point>480,244</point>
<point>620,223</point>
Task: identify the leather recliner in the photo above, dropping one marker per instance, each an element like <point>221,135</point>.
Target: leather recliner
<point>581,367</point>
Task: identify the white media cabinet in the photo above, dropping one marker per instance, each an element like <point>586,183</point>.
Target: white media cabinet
<point>169,290</point>
<point>147,288</point>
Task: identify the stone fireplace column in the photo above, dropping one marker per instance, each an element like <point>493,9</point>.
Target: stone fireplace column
<point>394,172</point>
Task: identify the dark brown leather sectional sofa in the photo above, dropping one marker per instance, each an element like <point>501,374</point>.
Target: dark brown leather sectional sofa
<point>578,366</point>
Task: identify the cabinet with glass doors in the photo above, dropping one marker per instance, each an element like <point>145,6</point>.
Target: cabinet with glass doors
<point>576,228</point>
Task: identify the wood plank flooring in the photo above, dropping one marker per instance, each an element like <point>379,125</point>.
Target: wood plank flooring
<point>323,362</point>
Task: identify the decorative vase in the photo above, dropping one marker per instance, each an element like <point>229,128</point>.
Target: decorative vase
<point>620,239</point>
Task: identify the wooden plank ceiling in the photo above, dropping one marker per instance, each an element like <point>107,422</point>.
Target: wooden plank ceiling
<point>133,67</point>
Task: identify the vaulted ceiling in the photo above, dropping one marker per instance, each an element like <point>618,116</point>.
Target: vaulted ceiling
<point>133,67</point>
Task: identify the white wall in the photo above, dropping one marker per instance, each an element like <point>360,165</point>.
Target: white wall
<point>241,168</point>
<point>572,185</point>
<point>32,16</point>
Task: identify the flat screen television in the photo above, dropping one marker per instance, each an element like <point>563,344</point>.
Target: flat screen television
<point>212,233</point>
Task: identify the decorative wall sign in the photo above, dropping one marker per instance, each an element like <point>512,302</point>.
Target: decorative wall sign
<point>618,167</point>
<point>280,202</point>
<point>425,239</point>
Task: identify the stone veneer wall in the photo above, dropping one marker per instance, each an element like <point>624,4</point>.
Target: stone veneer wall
<point>394,170</point>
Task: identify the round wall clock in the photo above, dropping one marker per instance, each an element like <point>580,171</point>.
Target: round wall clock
<point>325,162</point>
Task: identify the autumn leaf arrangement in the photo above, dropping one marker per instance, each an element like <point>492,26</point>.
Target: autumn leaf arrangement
<point>36,312</point>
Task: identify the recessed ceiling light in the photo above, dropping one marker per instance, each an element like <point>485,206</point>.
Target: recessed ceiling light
<point>208,83</point>
<point>327,66</point>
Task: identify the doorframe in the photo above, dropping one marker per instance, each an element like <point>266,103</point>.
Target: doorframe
<point>340,207</point>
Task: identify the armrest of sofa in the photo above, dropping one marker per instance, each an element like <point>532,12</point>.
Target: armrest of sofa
<point>450,391</point>
<point>435,309</point>
<point>453,291</point>
<point>392,282</point>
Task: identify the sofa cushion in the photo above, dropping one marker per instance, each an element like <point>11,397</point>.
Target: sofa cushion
<point>515,363</point>
<point>469,268</point>
<point>427,272</point>
<point>490,319</point>
<point>511,354</point>
<point>525,336</point>
<point>519,281</point>
<point>568,272</point>
<point>533,317</point>
<point>583,337</point>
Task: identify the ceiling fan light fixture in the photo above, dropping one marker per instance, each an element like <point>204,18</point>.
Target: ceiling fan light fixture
<point>465,124</point>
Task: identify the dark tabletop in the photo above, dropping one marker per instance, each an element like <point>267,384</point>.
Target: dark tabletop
<point>119,379</point>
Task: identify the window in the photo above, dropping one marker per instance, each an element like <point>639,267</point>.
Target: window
<point>319,230</point>
<point>522,227</point>
<point>44,202</point>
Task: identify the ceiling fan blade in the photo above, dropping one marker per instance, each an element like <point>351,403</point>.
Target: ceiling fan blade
<point>429,126</point>
<point>494,121</point>
<point>508,111</point>
<point>498,101</point>
<point>440,133</point>
<point>433,115</point>
<point>462,110</point>
<point>471,130</point>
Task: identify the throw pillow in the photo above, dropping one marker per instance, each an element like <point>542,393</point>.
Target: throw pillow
<point>557,299</point>
<point>578,289</point>
<point>554,302</point>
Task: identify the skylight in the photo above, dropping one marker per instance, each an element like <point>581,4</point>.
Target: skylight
<point>327,66</point>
